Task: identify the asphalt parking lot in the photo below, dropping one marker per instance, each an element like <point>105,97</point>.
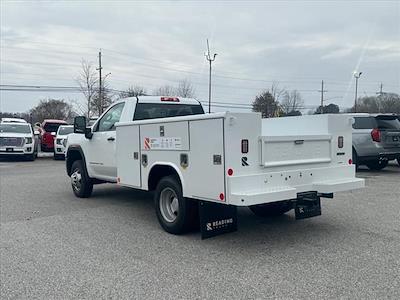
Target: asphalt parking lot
<point>56,246</point>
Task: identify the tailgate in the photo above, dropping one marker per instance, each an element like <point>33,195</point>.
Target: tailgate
<point>294,150</point>
<point>391,138</point>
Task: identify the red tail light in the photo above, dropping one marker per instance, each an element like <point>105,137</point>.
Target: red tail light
<point>340,142</point>
<point>245,146</point>
<point>376,135</point>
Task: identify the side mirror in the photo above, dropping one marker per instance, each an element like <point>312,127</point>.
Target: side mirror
<point>54,133</point>
<point>80,127</point>
<point>36,132</point>
<point>80,124</point>
<point>88,133</point>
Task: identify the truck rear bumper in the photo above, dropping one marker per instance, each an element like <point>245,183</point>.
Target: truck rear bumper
<point>271,187</point>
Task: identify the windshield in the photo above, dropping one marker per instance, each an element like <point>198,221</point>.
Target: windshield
<point>51,127</point>
<point>64,130</point>
<point>364,123</point>
<point>146,111</point>
<point>15,128</point>
<point>388,123</point>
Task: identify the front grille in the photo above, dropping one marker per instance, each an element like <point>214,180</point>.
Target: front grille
<point>11,142</point>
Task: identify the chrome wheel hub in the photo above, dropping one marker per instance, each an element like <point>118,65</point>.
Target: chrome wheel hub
<point>76,180</point>
<point>169,205</point>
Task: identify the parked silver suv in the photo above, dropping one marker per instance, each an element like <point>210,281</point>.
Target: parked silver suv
<point>376,140</point>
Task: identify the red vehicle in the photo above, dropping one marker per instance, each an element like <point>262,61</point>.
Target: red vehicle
<point>48,132</point>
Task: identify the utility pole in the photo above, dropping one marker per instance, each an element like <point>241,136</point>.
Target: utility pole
<point>322,96</point>
<point>380,93</point>
<point>100,86</point>
<point>356,76</point>
<point>210,60</point>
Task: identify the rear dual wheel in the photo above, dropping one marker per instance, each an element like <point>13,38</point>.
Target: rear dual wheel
<point>175,213</point>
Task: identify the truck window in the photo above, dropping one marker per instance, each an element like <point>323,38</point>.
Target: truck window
<point>146,111</point>
<point>112,116</point>
<point>388,122</point>
<point>364,123</point>
<point>51,127</point>
<point>15,128</point>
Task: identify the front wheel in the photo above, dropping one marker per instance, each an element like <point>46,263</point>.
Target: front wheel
<point>81,183</point>
<point>271,209</point>
<point>175,213</point>
<point>377,165</point>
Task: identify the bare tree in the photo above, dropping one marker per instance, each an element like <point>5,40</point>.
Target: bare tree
<point>133,91</point>
<point>276,91</point>
<point>291,102</point>
<point>87,81</point>
<point>185,89</point>
<point>384,103</point>
<point>52,109</point>
<point>166,90</point>
<point>99,105</point>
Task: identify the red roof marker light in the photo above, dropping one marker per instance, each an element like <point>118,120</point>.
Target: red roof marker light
<point>170,99</point>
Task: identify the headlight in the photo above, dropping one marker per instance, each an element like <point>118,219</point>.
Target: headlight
<point>58,141</point>
<point>28,140</point>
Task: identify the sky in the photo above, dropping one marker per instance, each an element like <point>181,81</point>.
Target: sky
<point>292,44</point>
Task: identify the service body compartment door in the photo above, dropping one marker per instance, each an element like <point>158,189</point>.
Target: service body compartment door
<point>128,155</point>
<point>205,174</point>
<point>168,136</point>
<point>295,150</point>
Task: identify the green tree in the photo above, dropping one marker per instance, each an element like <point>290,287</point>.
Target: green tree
<point>328,109</point>
<point>266,104</point>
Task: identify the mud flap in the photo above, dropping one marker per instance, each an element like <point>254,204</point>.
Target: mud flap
<point>216,219</point>
<point>307,205</point>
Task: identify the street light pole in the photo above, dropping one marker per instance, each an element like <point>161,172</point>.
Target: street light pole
<point>210,60</point>
<point>356,76</point>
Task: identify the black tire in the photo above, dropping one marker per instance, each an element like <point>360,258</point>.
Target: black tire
<point>377,165</point>
<point>30,157</point>
<point>59,157</point>
<point>81,183</point>
<point>271,209</point>
<point>185,215</point>
<point>355,159</point>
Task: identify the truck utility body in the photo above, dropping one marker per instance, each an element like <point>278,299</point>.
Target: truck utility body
<point>222,160</point>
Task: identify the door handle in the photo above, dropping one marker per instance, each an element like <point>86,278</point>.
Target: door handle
<point>112,139</point>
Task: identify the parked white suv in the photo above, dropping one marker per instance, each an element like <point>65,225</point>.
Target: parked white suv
<point>17,139</point>
<point>61,140</point>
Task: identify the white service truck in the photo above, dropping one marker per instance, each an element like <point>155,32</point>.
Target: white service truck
<point>202,166</point>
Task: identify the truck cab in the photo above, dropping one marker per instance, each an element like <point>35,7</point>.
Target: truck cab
<point>98,147</point>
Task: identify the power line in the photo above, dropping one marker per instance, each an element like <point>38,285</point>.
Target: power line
<point>301,79</point>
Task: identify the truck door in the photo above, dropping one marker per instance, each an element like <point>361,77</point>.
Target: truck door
<point>102,149</point>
